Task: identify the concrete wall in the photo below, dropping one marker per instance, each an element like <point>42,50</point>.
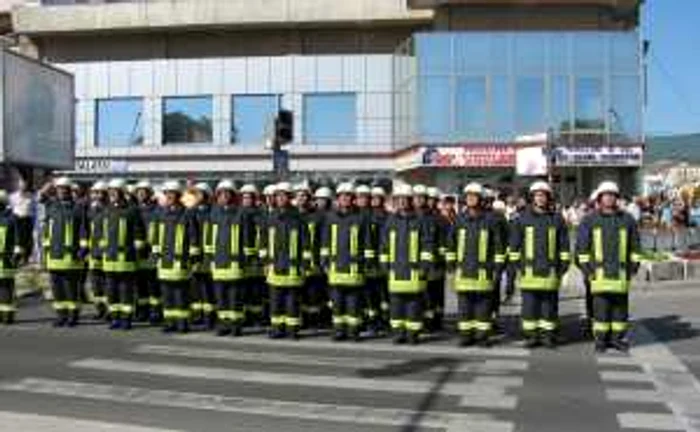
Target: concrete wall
<point>155,14</point>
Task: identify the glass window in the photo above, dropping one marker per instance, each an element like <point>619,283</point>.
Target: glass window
<point>625,111</point>
<point>589,52</point>
<point>119,122</point>
<point>330,118</point>
<point>472,53</point>
<point>624,50</point>
<point>529,53</point>
<point>434,107</point>
<point>589,104</point>
<point>187,120</point>
<point>529,105</point>
<point>252,117</point>
<point>501,109</point>
<point>471,107</point>
<point>559,116</point>
<point>434,54</point>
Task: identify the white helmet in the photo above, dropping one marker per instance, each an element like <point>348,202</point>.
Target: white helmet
<point>433,192</point>
<point>345,188</point>
<point>249,189</point>
<point>144,184</point>
<point>226,185</point>
<point>403,191</point>
<point>269,190</point>
<point>474,188</point>
<point>284,187</point>
<point>203,187</point>
<point>499,206</point>
<point>324,192</point>
<point>63,182</point>
<point>540,186</point>
<point>378,192</point>
<point>172,186</point>
<point>117,183</point>
<point>363,190</point>
<point>607,187</point>
<point>302,187</point>
<point>99,186</point>
<point>420,190</point>
<point>130,189</point>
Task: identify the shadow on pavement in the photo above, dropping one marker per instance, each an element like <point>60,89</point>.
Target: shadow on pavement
<point>668,328</point>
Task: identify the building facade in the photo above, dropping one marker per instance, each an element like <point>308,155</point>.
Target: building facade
<point>434,91</point>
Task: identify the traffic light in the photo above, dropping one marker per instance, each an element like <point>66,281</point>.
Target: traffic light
<point>284,127</point>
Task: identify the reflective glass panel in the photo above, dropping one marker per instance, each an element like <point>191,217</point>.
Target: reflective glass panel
<point>119,122</point>
<point>330,118</point>
<point>589,104</point>
<point>253,116</point>
<point>529,105</point>
<point>434,105</point>
<point>471,107</point>
<point>187,120</point>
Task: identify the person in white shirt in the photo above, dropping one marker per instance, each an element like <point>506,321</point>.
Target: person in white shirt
<point>23,207</point>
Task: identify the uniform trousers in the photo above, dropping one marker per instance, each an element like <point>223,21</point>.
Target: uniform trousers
<point>230,300</point>
<point>407,311</point>
<point>285,307</point>
<point>610,315</point>
<point>540,310</point>
<point>475,311</point>
<point>121,293</point>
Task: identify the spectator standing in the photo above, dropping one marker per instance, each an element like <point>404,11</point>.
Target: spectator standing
<point>23,207</point>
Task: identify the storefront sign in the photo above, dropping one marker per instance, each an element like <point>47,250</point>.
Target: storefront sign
<point>469,156</point>
<point>599,156</point>
<point>102,165</point>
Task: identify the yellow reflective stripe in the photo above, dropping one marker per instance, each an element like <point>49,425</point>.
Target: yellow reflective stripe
<point>235,246</point>
<point>565,256</point>
<point>151,232</point>
<point>635,257</point>
<point>483,245</point>
<point>529,243</point>
<point>584,258</point>
<point>91,240</point>
<point>413,247</point>
<point>354,240</point>
<point>551,243</point>
<point>48,233</point>
<point>623,245</point>
<point>68,234</point>
<point>392,246</point>
<point>499,258</point>
<point>105,230</point>
<point>514,256</point>
<point>121,234</point>
<point>3,239</point>
<point>213,240</point>
<point>179,239</point>
<point>271,236</point>
<point>334,240</point>
<point>461,244</point>
<point>311,226</point>
<point>206,228</point>
<point>598,244</point>
<point>161,236</point>
<point>293,244</point>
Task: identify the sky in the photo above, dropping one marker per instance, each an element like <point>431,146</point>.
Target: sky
<point>673,27</point>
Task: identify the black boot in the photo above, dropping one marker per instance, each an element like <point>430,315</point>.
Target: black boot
<point>116,322</point>
<point>340,335</point>
<point>61,318</point>
<point>156,317</point>
<point>601,344</point>
<point>549,339</point>
<point>73,318</point>
<point>355,334</point>
<point>532,340</point>
<point>224,328</point>
<point>466,339</point>
<point>100,311</point>
<point>126,323</point>
<point>10,317</point>
<point>169,326</point>
<point>414,337</point>
<point>400,337</point>
<point>183,326</point>
<point>210,321</point>
<point>620,343</point>
<point>238,329</point>
<point>482,339</point>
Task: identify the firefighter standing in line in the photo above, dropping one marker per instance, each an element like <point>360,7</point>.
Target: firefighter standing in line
<point>147,286</point>
<point>203,299</point>
<point>225,249</point>
<point>311,293</point>
<point>436,280</point>
<point>81,199</point>
<point>95,216</point>
<point>11,253</point>
<point>123,237</point>
<point>607,248</point>
<point>255,288</point>
<point>363,206</point>
<point>65,243</point>
<point>378,299</point>
<point>344,250</point>
<point>269,195</point>
<point>323,198</point>
<point>285,253</point>
<point>497,210</point>
<point>176,250</point>
<point>429,219</point>
<point>407,255</point>
<point>539,249</point>
<point>476,252</point>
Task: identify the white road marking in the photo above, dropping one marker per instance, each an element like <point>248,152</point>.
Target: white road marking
<point>634,395</point>
<point>679,387</point>
<point>624,376</point>
<point>367,346</point>
<point>647,421</point>
<point>13,422</point>
<point>487,366</point>
<point>604,360</point>
<point>450,422</point>
<point>482,393</point>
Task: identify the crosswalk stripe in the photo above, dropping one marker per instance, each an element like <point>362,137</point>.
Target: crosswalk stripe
<point>649,421</point>
<point>367,346</point>
<point>450,422</point>
<point>12,422</point>
<point>633,395</point>
<point>625,376</point>
<point>487,366</point>
<point>483,391</point>
<point>616,361</point>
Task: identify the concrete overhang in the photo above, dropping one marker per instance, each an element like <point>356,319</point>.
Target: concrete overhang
<point>615,4</point>
<point>165,14</point>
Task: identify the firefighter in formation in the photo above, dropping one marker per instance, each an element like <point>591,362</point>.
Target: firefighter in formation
<point>356,261</point>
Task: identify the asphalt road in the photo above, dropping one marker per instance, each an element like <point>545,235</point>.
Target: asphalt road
<point>89,378</point>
